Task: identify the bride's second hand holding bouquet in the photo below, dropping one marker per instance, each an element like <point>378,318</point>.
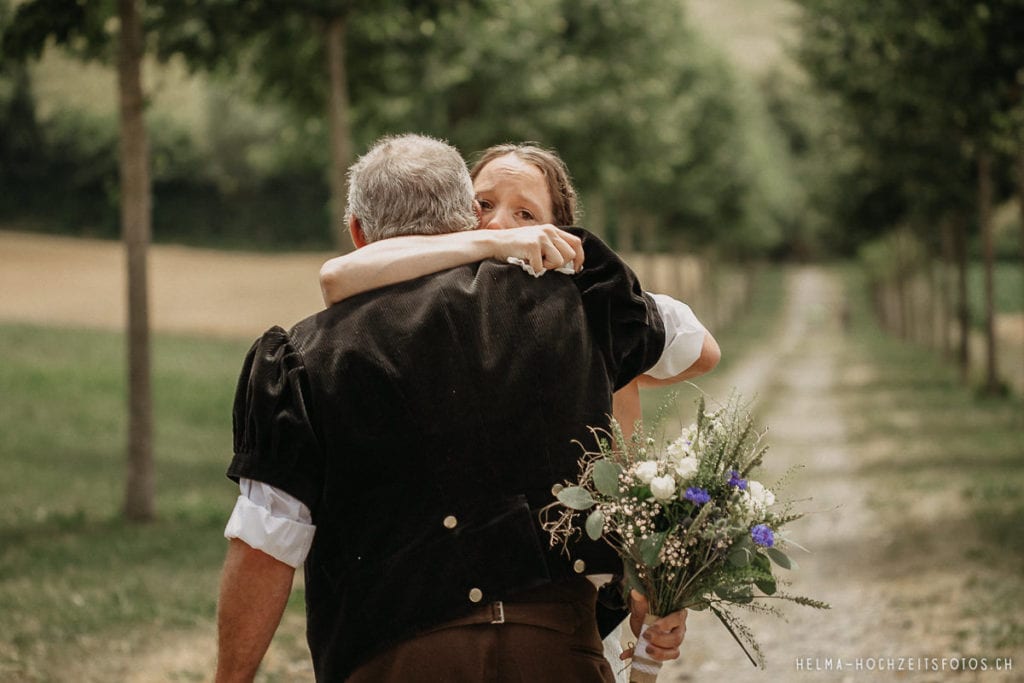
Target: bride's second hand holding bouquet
<point>693,528</point>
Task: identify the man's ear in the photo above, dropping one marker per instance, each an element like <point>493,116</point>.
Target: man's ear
<point>356,231</point>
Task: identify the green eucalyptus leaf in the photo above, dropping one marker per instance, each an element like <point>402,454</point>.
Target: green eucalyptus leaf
<point>762,562</point>
<point>744,597</point>
<point>780,558</point>
<point>576,497</point>
<point>766,586</point>
<point>606,478</point>
<point>741,595</point>
<point>595,524</point>
<point>744,541</point>
<point>739,557</point>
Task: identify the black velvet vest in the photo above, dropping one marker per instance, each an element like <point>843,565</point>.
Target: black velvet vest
<point>425,424</point>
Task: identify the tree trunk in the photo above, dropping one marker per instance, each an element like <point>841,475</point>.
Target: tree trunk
<point>902,315</point>
<point>340,128</point>
<point>711,284</point>
<point>596,216</point>
<point>649,233</point>
<point>930,287</point>
<point>988,255</point>
<point>1020,205</point>
<point>135,229</point>
<point>945,305</point>
<point>963,313</point>
<point>625,231</point>
<point>23,148</point>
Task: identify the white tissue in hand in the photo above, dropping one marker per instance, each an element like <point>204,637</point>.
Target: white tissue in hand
<point>567,269</point>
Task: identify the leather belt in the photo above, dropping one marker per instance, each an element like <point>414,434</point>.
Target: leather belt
<point>563,617</point>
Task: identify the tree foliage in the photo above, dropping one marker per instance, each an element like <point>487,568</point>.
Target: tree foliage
<point>926,86</point>
<point>934,90</point>
<point>669,147</point>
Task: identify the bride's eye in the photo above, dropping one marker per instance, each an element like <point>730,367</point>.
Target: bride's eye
<point>526,215</point>
<point>484,204</point>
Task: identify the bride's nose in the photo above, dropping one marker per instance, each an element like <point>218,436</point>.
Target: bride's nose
<point>498,220</point>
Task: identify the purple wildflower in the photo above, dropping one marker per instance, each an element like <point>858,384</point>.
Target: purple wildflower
<point>735,481</point>
<point>763,536</point>
<point>697,495</point>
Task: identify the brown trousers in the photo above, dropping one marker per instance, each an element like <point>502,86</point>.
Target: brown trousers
<point>549,635</point>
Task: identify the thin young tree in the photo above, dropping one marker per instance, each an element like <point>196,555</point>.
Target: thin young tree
<point>82,30</point>
<point>86,31</point>
<point>136,227</point>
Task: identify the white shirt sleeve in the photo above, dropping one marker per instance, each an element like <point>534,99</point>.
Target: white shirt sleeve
<point>268,519</point>
<point>684,338</point>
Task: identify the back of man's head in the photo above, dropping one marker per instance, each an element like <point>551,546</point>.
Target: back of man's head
<point>410,185</point>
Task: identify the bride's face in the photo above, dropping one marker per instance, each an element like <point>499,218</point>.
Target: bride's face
<point>512,193</point>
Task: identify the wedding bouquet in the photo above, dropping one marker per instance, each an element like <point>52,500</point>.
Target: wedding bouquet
<point>693,528</point>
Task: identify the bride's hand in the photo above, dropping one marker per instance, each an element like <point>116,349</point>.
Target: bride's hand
<point>664,637</point>
<point>543,247</point>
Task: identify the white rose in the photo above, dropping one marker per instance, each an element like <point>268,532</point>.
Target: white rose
<point>646,470</point>
<point>662,488</point>
<point>686,467</point>
<point>758,497</point>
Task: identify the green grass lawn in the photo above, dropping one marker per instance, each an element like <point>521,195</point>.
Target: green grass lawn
<point>72,573</point>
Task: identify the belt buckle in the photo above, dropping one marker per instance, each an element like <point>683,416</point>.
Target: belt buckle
<point>497,612</point>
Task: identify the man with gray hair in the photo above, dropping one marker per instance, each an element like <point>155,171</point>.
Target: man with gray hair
<point>400,444</point>
<point>410,185</point>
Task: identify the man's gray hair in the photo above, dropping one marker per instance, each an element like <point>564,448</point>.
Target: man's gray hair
<point>410,185</point>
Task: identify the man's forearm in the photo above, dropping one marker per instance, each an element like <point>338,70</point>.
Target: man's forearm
<point>254,590</point>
